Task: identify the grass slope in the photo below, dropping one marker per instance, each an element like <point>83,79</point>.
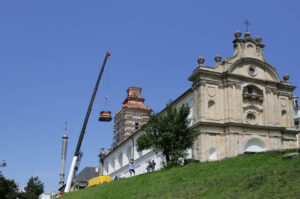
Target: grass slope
<point>254,176</point>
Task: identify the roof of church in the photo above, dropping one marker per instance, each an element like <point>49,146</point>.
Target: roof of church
<point>87,173</point>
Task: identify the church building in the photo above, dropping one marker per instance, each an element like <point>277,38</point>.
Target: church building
<point>238,105</point>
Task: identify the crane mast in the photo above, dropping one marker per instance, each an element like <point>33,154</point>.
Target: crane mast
<point>77,151</point>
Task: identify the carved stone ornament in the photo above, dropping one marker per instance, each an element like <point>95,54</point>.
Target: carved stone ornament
<point>268,90</point>
<point>228,84</point>
<point>202,83</point>
<point>221,86</point>
<point>238,85</point>
<point>211,91</point>
<point>218,58</point>
<point>258,39</point>
<point>195,85</point>
<point>201,60</point>
<point>237,34</point>
<point>247,35</point>
<point>283,102</point>
<point>286,77</point>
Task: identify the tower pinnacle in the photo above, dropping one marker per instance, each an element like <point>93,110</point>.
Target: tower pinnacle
<point>66,126</point>
<point>63,157</point>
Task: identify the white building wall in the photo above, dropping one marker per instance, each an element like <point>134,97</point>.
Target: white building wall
<point>111,162</point>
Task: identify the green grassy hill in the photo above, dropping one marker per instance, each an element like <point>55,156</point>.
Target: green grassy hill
<point>253,176</point>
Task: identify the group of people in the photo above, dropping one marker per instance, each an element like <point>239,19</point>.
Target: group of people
<point>149,168</point>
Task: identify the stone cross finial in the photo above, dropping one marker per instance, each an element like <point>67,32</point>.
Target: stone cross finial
<point>247,24</point>
<point>201,60</point>
<point>218,58</point>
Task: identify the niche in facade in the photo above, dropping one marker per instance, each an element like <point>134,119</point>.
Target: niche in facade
<point>211,109</point>
<point>213,155</point>
<point>284,120</point>
<point>255,145</point>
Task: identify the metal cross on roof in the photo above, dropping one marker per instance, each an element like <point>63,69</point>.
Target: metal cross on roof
<point>247,24</point>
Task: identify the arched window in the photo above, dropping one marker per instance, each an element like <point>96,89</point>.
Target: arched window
<point>213,155</point>
<point>106,168</point>
<point>252,93</point>
<point>113,163</point>
<point>252,90</point>
<point>128,154</point>
<point>255,145</point>
<point>284,120</point>
<point>120,159</point>
<point>211,109</point>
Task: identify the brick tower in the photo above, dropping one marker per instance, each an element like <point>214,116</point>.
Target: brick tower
<point>131,117</point>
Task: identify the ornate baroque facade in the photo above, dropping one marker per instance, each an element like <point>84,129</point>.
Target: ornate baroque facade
<point>238,105</point>
<point>241,104</point>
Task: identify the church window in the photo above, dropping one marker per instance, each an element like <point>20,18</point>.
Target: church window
<point>211,109</point>
<point>251,118</point>
<point>113,163</point>
<point>252,70</point>
<point>121,160</point>
<point>136,125</point>
<point>106,168</point>
<point>135,95</point>
<point>250,90</point>
<point>252,93</point>
<point>128,154</point>
<point>284,121</point>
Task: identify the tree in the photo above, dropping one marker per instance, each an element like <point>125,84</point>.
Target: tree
<point>8,188</point>
<point>168,133</point>
<point>28,195</point>
<point>34,187</point>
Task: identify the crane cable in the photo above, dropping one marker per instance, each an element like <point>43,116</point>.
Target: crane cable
<point>107,89</point>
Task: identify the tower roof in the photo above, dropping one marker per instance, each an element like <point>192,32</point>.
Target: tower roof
<point>134,99</point>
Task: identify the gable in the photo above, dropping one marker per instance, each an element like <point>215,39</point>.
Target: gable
<point>254,68</point>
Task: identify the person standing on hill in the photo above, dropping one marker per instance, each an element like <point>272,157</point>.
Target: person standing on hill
<point>131,168</point>
<point>153,165</point>
<point>149,167</point>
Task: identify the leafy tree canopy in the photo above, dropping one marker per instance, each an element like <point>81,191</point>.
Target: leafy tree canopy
<point>35,186</point>
<point>168,133</point>
<point>8,188</point>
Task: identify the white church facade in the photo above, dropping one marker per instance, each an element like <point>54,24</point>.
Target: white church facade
<point>239,105</point>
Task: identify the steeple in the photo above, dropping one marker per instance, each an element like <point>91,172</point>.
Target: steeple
<point>133,114</point>
<point>63,157</point>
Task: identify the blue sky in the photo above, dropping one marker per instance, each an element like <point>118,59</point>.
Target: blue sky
<point>51,52</point>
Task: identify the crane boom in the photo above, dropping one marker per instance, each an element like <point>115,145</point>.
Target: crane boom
<point>77,151</point>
